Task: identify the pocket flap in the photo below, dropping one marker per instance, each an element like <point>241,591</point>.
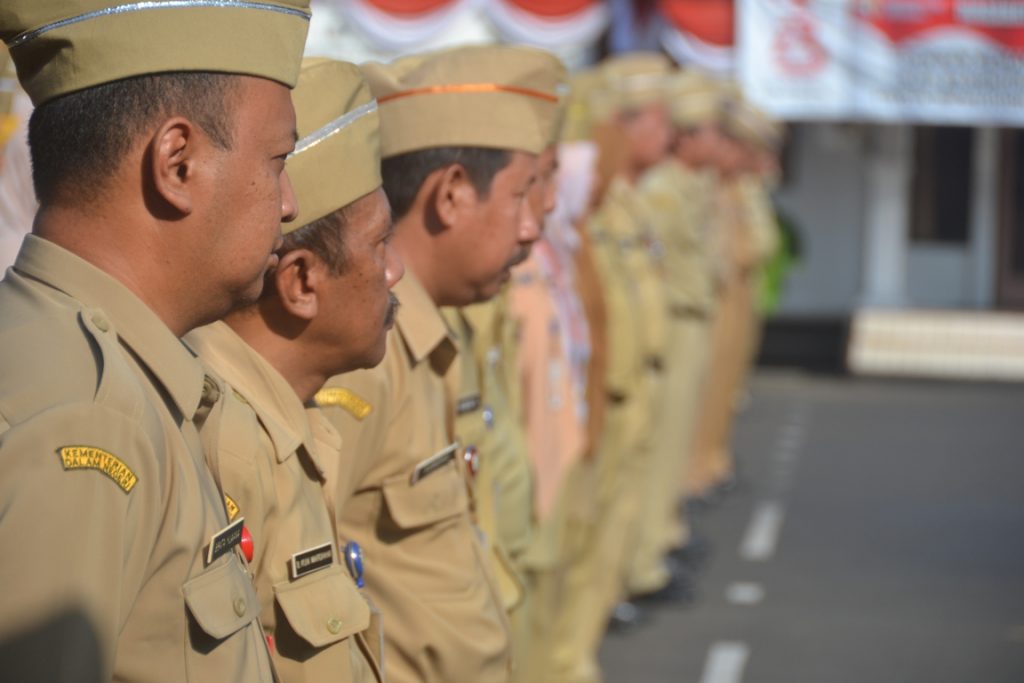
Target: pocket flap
<point>323,608</point>
<point>222,599</point>
<point>434,497</point>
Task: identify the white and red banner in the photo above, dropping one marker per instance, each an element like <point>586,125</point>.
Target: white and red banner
<point>700,33</point>
<point>569,28</point>
<point>922,61</point>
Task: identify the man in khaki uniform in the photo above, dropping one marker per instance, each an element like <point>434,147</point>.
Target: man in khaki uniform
<point>460,131</point>
<point>161,199</point>
<point>712,465</point>
<point>327,311</point>
<point>631,104</point>
<point>504,486</point>
<point>749,239</point>
<point>679,191</point>
<point>550,353</point>
<point>760,138</point>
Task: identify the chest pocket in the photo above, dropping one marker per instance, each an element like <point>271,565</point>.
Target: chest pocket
<point>323,608</point>
<point>222,600</point>
<point>433,498</point>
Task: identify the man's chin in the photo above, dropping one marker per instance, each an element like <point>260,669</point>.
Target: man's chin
<point>249,296</point>
<point>374,357</point>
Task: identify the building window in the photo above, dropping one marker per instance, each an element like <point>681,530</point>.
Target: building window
<point>943,168</point>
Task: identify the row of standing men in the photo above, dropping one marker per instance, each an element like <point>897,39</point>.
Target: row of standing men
<point>327,484</point>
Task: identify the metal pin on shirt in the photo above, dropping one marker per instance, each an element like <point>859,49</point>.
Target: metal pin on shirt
<point>354,561</point>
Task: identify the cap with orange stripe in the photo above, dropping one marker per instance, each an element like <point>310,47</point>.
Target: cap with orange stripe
<point>494,96</point>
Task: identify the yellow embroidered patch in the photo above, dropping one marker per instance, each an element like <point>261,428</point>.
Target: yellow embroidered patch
<point>343,398</point>
<point>231,506</point>
<point>89,458</point>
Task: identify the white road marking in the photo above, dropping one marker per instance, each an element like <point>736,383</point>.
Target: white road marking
<point>725,663</point>
<point>791,442</point>
<point>787,455</point>
<point>744,593</point>
<point>763,532</point>
<point>793,430</point>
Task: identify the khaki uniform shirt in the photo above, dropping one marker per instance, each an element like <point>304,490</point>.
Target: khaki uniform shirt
<point>268,454</point>
<point>760,216</point>
<point>736,246</point>
<point>109,509</point>
<point>485,424</point>
<point>408,506</point>
<point>637,310</point>
<point>681,200</point>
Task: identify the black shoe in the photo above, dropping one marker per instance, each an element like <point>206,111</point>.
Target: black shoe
<point>726,486</point>
<point>680,591</point>
<point>697,505</point>
<point>692,556</point>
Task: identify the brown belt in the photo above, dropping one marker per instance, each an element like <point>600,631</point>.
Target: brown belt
<point>687,312</point>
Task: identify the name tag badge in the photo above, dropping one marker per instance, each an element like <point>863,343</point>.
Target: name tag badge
<point>314,559</point>
<point>434,462</point>
<point>467,404</point>
<point>224,540</point>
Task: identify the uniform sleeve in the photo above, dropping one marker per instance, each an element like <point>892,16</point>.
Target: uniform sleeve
<point>80,500</point>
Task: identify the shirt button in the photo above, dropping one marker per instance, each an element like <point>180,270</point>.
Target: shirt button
<point>240,606</point>
<point>334,625</point>
<point>210,391</point>
<point>100,322</point>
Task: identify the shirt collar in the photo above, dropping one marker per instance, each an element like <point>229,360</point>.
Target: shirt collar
<point>278,407</point>
<point>136,325</point>
<point>420,322</point>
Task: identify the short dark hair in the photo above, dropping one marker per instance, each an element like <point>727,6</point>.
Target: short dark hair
<point>325,237</point>
<point>404,174</point>
<point>78,140</point>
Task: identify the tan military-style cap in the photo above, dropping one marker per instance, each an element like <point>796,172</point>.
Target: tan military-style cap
<point>492,96</point>
<point>636,79</point>
<point>337,158</point>
<point>61,47</point>
<point>695,99</point>
<point>580,117</point>
<point>561,113</point>
<point>745,122</point>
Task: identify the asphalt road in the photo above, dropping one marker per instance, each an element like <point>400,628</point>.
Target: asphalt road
<point>876,536</point>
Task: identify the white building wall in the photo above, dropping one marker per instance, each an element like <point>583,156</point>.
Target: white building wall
<point>849,194</point>
<point>824,197</point>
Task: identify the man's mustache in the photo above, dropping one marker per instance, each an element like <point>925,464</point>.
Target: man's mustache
<point>521,255</point>
<point>393,305</point>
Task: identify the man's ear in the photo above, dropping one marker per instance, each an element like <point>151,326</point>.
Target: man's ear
<point>454,194</point>
<point>173,152</point>
<point>299,278</point>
